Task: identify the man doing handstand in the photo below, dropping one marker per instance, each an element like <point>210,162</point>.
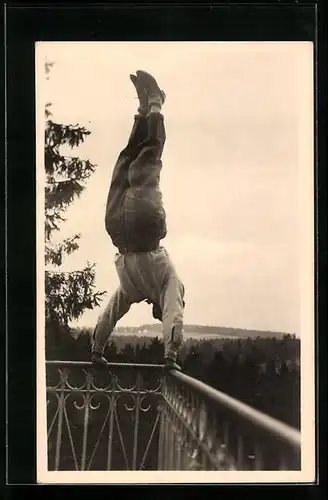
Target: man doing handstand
<point>136,223</point>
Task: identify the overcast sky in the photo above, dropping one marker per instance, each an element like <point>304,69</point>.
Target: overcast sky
<point>231,168</point>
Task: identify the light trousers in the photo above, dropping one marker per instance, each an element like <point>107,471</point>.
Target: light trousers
<point>145,276</point>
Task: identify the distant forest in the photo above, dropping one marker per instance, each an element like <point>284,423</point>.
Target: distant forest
<point>201,330</point>
<point>262,371</point>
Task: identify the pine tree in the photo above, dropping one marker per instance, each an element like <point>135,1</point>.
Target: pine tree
<point>67,294</point>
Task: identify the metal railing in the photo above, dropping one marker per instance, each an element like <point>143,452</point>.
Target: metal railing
<point>137,417</point>
<point>205,429</point>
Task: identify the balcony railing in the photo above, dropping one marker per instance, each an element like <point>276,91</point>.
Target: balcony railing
<point>138,417</point>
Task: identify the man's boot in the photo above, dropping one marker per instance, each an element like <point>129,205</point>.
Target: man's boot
<point>156,96</point>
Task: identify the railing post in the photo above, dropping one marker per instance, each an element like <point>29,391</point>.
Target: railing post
<point>165,443</point>
<point>61,403</point>
<point>258,457</point>
<point>160,437</point>
<point>112,402</point>
<point>86,423</point>
<point>240,452</point>
<point>136,424</point>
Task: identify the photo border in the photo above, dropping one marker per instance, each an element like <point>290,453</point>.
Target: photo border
<point>24,27</point>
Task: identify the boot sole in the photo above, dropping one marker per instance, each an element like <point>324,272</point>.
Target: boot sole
<point>149,83</point>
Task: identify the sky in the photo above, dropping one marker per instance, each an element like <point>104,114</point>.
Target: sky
<point>233,168</point>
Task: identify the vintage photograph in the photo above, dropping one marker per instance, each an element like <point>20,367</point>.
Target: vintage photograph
<point>175,218</point>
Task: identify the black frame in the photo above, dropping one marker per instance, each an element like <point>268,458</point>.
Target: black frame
<point>26,24</point>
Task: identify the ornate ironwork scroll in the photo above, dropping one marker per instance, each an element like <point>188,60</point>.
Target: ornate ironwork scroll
<point>102,420</point>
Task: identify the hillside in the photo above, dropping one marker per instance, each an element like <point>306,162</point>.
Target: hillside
<point>200,330</point>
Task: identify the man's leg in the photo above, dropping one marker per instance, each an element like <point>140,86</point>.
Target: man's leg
<point>119,181</point>
<point>145,169</point>
<point>144,214</point>
<point>172,306</point>
<point>117,307</point>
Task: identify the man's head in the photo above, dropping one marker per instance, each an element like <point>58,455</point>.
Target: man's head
<point>157,311</point>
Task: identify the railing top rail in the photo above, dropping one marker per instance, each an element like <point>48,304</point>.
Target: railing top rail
<point>270,424</point>
<point>88,364</point>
